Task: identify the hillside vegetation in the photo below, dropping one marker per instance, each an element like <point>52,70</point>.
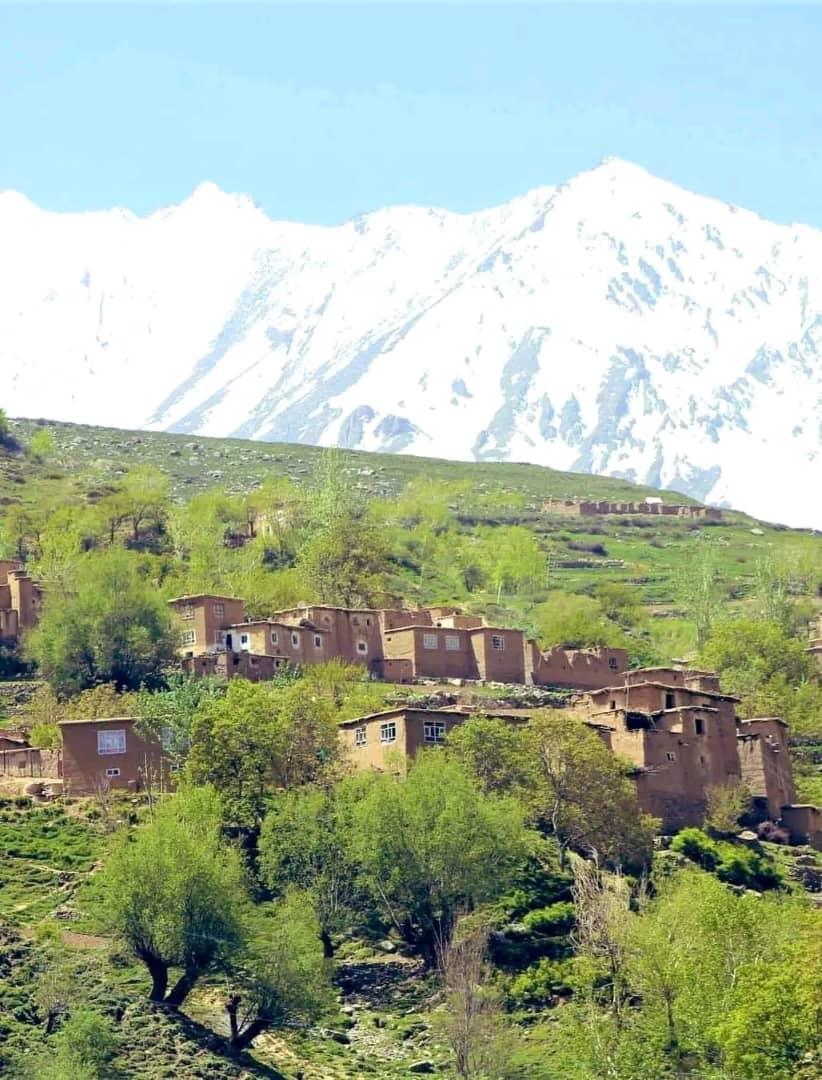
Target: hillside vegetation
<point>502,912</point>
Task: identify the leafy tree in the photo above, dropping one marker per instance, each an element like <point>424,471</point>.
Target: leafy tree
<point>575,621</point>
<point>260,737</point>
<point>5,426</point>
<point>42,445</point>
<point>146,494</point>
<point>114,628</point>
<point>280,978</point>
<point>495,752</point>
<point>175,893</point>
<point>699,588</point>
<point>434,845</point>
<point>726,805</point>
<point>583,794</point>
<point>769,670</point>
<point>167,715</point>
<point>305,842</point>
<point>513,559</point>
<point>86,1042</point>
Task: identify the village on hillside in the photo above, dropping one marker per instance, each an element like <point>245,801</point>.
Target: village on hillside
<point>674,724</point>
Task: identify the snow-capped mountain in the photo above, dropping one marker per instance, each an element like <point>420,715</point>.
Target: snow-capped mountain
<point>615,324</point>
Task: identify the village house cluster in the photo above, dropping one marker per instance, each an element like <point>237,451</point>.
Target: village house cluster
<point>651,505</point>
<point>674,725</point>
<point>392,644</point>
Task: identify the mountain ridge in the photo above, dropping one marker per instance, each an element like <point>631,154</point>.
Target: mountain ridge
<point>612,324</point>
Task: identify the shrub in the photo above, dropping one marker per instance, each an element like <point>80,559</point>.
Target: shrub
<point>696,846</point>
<point>554,919</point>
<point>540,983</point>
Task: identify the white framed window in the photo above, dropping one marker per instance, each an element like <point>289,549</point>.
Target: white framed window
<point>274,637</point>
<point>295,640</point>
<point>111,742</point>
<point>188,637</point>
<point>219,639</point>
<point>245,642</point>
<point>219,610</point>
<point>497,642</point>
<point>360,736</point>
<point>362,646</point>
<point>388,732</point>
<point>318,641</point>
<point>671,756</point>
<point>430,641</point>
<point>452,642</point>
<point>433,731</point>
<point>187,611</point>
<point>112,772</point>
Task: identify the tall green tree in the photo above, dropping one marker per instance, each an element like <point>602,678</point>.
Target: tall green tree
<point>175,893</point>
<point>114,627</point>
<point>433,846</point>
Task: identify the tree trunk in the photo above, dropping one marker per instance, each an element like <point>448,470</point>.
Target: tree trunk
<point>159,977</point>
<point>328,945</point>
<point>183,987</point>
<point>243,1039</point>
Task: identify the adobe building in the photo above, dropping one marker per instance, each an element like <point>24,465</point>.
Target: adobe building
<point>765,764</point>
<point>102,754</point>
<point>203,620</point>
<point>20,601</point>
<point>387,741</point>
<point>652,505</point>
<point>679,730</point>
<point>575,669</point>
<point>452,651</point>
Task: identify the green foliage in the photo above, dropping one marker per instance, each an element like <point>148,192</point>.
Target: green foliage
<point>279,979</point>
<point>305,842</point>
<point>732,863</point>
<point>434,845</point>
<point>495,753</point>
<point>258,737</point>
<point>167,715</point>
<point>582,792</point>
<point>113,628</point>
<point>42,445</point>
<point>45,736</point>
<point>175,893</point>
<point>554,919</point>
<point>85,1044</point>
<point>769,670</point>
<point>575,621</point>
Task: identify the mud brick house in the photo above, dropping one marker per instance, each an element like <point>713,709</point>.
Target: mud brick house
<point>202,621</point>
<point>387,741</point>
<point>228,665</point>
<point>456,652</point>
<point>101,754</point>
<point>680,732</point>
<point>575,669</point>
<point>765,764</point>
<point>20,601</point>
<point>592,508</point>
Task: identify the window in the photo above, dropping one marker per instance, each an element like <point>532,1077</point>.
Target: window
<point>244,640</point>
<point>187,611</point>
<point>612,704</point>
<point>219,639</point>
<point>188,637</point>
<point>429,641</point>
<point>295,640</point>
<point>497,642</point>
<point>274,637</point>
<point>360,736</point>
<point>362,646</point>
<point>355,620</point>
<point>112,772</point>
<point>699,725</point>
<point>671,756</point>
<point>452,642</point>
<point>612,663</point>
<point>219,610</point>
<point>388,732</point>
<point>433,731</point>
<point>367,622</point>
<point>318,641</point>
<point>670,700</point>
<point>111,742</point>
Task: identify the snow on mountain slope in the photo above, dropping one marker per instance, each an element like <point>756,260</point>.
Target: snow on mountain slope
<point>615,324</point>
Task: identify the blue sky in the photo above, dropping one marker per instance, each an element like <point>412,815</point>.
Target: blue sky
<point>324,111</point>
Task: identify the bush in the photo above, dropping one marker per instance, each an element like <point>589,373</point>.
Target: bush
<point>539,984</point>
<point>696,846</point>
<point>732,864</point>
<point>554,919</point>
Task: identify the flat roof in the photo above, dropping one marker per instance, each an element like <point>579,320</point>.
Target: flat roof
<point>102,720</point>
<point>276,622</point>
<point>454,710</point>
<point>662,686</point>
<point>762,719</point>
<point>205,596</point>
